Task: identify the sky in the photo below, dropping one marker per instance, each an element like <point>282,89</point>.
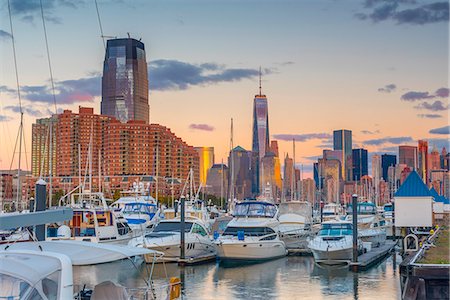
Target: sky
<point>379,68</point>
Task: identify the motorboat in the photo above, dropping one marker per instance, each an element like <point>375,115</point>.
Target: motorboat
<point>295,224</point>
<point>371,226</point>
<point>166,238</point>
<point>93,221</point>
<point>252,234</point>
<point>331,211</point>
<point>141,215</point>
<point>333,244</point>
<point>194,208</point>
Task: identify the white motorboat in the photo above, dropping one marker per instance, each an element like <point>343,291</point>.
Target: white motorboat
<point>295,224</point>
<point>141,215</point>
<point>334,243</point>
<point>166,238</point>
<point>371,227</point>
<point>331,211</point>
<point>252,235</point>
<point>92,221</point>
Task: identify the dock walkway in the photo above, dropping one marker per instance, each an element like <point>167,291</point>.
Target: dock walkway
<point>370,258</point>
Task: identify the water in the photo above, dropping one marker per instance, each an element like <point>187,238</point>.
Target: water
<point>292,277</point>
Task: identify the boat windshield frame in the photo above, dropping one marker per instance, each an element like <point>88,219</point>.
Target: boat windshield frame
<point>255,209</point>
<point>336,229</point>
<point>142,208</point>
<point>364,208</point>
<point>177,228</point>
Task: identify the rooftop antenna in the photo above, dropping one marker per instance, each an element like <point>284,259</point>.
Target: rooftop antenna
<point>128,35</point>
<point>260,81</point>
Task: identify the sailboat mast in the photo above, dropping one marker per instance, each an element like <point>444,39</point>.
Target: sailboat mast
<point>50,163</point>
<point>232,162</point>
<point>157,172</point>
<point>79,167</point>
<point>90,159</point>
<point>19,182</point>
<point>221,186</point>
<point>99,172</point>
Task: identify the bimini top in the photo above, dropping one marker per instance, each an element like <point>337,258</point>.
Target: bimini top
<point>255,209</point>
<point>84,253</point>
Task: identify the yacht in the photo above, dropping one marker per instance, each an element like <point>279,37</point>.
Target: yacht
<point>295,224</point>
<point>166,238</point>
<point>252,234</point>
<point>371,227</point>
<point>194,208</point>
<point>331,211</point>
<point>334,243</point>
<point>92,221</point>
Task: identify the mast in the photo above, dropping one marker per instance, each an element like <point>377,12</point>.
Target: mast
<point>90,158</point>
<point>293,189</point>
<point>232,162</point>
<point>79,167</point>
<point>99,172</point>
<point>221,186</point>
<point>50,162</point>
<point>157,172</point>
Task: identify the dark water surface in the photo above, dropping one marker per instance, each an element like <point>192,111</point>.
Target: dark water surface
<point>292,277</point>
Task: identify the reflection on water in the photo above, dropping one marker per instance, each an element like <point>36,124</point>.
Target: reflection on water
<point>292,277</point>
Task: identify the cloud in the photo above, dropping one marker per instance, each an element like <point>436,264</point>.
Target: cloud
<point>415,96</point>
<point>391,149</point>
<point>429,116</point>
<point>439,143</point>
<point>441,130</point>
<point>442,92</point>
<point>204,127</point>
<point>388,88</point>
<point>370,132</point>
<point>302,137</point>
<point>29,110</point>
<point>435,106</point>
<point>28,10</point>
<point>177,75</point>
<point>393,10</point>
<point>4,118</point>
<point>5,34</point>
<point>389,140</point>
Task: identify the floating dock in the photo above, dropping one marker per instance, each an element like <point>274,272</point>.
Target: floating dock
<point>372,257</point>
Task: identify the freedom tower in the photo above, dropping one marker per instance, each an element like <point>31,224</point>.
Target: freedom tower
<point>125,81</point>
<point>260,143</point>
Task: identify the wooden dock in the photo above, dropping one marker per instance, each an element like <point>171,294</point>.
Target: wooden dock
<point>372,257</point>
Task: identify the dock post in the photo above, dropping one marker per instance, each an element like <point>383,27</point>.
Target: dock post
<point>182,233</point>
<point>355,227</point>
<point>41,199</point>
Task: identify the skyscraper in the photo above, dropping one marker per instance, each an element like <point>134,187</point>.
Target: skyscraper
<point>423,160</point>
<point>408,155</point>
<point>206,156</point>
<point>434,159</point>
<point>260,132</point>
<point>342,140</point>
<point>125,81</point>
<point>240,177</point>
<point>387,160</point>
<point>360,164</point>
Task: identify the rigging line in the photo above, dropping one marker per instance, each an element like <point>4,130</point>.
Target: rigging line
<point>15,59</point>
<point>48,56</point>
<point>100,24</point>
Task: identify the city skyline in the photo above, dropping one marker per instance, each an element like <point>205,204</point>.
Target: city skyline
<point>364,80</point>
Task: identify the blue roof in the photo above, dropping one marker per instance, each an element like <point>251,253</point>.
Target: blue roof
<point>413,187</point>
<point>437,197</point>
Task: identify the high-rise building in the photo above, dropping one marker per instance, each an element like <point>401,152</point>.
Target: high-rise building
<point>434,160</point>
<point>387,160</point>
<point>206,156</point>
<point>342,140</point>
<point>444,159</point>
<point>125,81</point>
<point>408,155</point>
<point>217,182</point>
<point>270,174</point>
<point>423,160</point>
<point>360,164</point>
<point>40,146</point>
<point>308,190</point>
<point>240,175</point>
<point>288,178</point>
<point>330,170</point>
<point>260,132</point>
<point>376,175</point>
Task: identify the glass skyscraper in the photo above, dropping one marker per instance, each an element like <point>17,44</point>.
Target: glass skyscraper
<point>125,81</point>
<point>360,163</point>
<point>387,160</point>
<point>260,143</point>
<point>342,140</point>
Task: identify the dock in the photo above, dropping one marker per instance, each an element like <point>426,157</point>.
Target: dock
<point>372,257</point>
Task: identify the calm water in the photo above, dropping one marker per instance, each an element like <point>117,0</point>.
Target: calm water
<point>292,277</point>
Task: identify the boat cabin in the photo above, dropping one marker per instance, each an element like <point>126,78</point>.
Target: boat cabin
<point>255,209</point>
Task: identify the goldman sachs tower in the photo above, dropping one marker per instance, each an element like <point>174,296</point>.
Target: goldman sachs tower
<point>125,81</point>
<point>260,143</point>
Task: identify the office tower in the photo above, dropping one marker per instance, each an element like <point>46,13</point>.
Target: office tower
<point>434,160</point>
<point>125,81</point>
<point>408,155</point>
<point>308,190</point>
<point>444,159</point>
<point>342,140</point>
<point>288,178</point>
<point>387,160</point>
<point>217,181</point>
<point>260,132</point>
<point>206,156</point>
<point>240,160</point>
<point>330,172</point>
<point>423,160</point>
<point>360,163</point>
<point>40,148</point>
<point>376,175</point>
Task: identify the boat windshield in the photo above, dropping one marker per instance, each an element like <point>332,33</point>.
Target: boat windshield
<point>144,208</point>
<point>172,227</point>
<point>363,209</point>
<point>303,209</point>
<point>249,231</point>
<point>388,208</point>
<point>335,229</point>
<point>255,209</point>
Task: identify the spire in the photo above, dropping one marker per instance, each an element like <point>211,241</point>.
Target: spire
<point>260,81</point>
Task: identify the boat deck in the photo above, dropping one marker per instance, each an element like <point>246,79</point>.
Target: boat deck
<point>372,257</point>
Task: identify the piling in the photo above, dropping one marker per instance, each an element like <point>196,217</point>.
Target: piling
<point>182,229</point>
<point>355,227</point>
<point>41,197</point>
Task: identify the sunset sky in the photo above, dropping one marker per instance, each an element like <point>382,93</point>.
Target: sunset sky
<point>378,68</point>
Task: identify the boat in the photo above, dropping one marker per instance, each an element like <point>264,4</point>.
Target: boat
<point>93,221</point>
<point>252,234</point>
<point>333,245</point>
<point>295,224</point>
<point>166,238</point>
<point>331,211</point>
<point>371,226</point>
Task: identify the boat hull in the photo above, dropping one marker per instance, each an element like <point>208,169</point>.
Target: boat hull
<point>250,250</point>
<point>333,257</point>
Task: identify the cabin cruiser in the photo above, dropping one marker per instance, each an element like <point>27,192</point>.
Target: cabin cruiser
<point>334,243</point>
<point>92,221</point>
<point>331,211</point>
<point>253,234</point>
<point>194,208</point>
<point>371,227</point>
<point>141,215</point>
<point>166,238</point>
<point>295,224</point>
